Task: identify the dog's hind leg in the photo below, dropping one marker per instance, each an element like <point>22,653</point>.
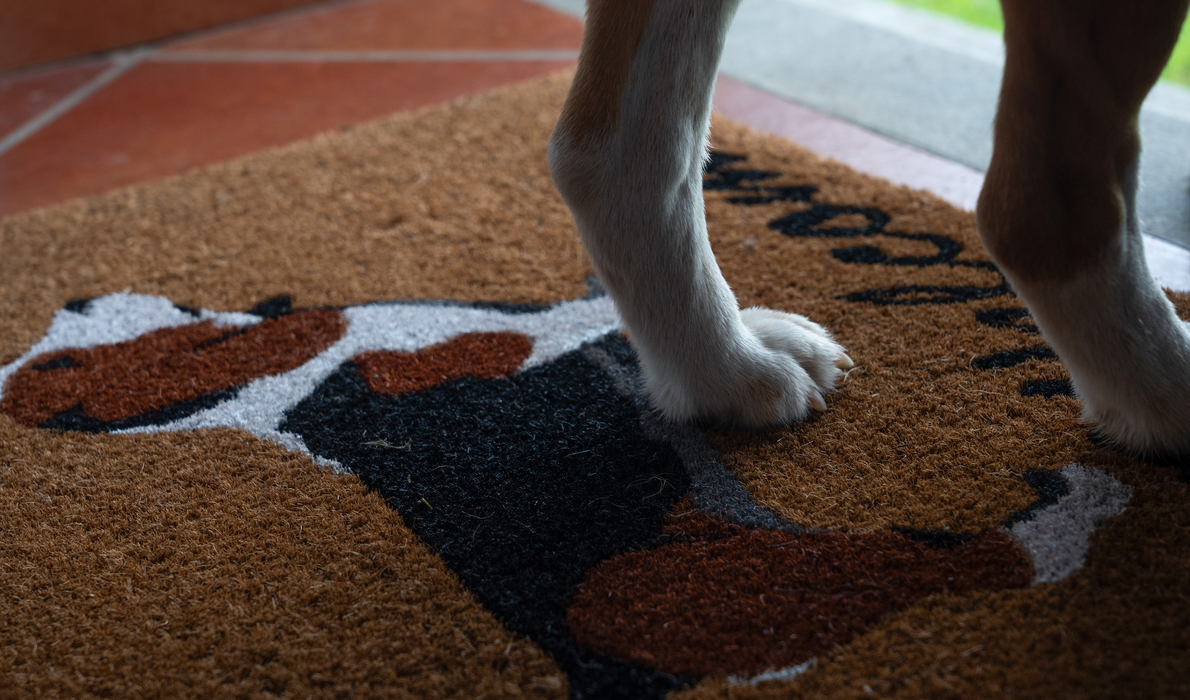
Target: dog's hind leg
<point>627,156</point>
<point>1058,209</point>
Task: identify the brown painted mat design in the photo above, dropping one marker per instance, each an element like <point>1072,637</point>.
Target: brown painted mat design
<point>379,436</point>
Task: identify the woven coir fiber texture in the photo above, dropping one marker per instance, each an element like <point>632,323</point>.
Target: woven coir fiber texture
<point>351,418</point>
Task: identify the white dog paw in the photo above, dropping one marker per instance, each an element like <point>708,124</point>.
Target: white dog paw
<point>778,368</point>
<point>1144,408</point>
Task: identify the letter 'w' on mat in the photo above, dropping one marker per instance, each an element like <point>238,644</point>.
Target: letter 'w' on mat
<point>352,416</point>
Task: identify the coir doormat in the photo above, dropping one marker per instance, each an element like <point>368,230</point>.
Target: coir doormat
<point>352,418</point>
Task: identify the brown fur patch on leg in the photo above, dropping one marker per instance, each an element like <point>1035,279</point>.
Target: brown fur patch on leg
<point>1066,129</point>
<point>614,32</point>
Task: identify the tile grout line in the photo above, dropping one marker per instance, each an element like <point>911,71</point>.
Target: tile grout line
<point>364,55</point>
<point>120,64</point>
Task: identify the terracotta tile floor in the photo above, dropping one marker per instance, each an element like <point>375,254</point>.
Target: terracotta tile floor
<point>34,32</point>
<point>24,96</point>
<point>89,126</point>
<point>413,25</point>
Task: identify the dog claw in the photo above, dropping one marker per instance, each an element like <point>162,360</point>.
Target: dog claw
<point>818,404</point>
<point>845,362</point>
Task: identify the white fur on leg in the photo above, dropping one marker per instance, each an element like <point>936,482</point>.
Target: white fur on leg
<point>1127,352</point>
<point>636,195</point>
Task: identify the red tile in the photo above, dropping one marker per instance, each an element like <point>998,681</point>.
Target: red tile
<point>406,24</point>
<point>164,118</point>
<point>26,95</point>
<point>38,31</point>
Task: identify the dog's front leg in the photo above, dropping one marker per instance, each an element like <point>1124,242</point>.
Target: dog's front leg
<point>1058,208</point>
<point>627,156</point>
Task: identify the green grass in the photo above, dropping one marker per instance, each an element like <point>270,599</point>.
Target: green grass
<point>986,13</point>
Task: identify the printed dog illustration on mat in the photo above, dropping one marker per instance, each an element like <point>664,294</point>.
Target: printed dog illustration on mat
<point>1057,213</point>
<point>516,442</point>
